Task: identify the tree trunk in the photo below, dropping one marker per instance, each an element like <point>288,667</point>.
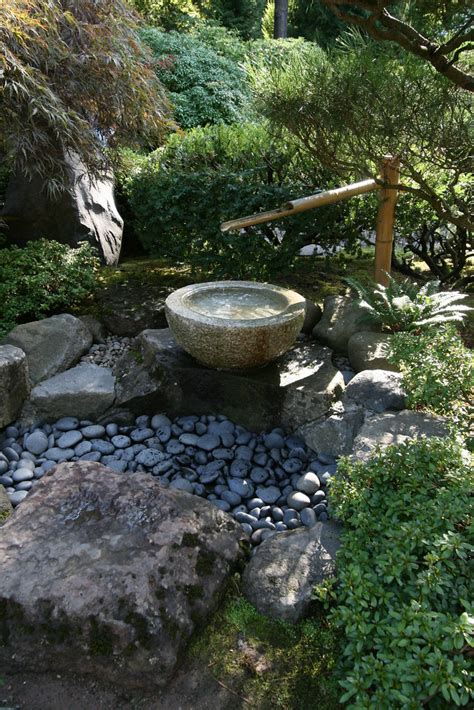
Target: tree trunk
<point>280,25</point>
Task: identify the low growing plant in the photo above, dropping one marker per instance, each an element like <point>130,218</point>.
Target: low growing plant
<point>438,372</point>
<point>41,277</point>
<point>407,307</point>
<point>404,579</point>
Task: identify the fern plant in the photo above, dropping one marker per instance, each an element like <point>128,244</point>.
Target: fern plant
<point>404,306</point>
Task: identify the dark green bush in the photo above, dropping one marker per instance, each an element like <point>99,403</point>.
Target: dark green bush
<point>41,277</point>
<point>404,580</point>
<point>216,174</point>
<point>204,86</point>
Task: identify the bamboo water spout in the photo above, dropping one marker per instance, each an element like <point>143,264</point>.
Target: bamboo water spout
<point>386,183</point>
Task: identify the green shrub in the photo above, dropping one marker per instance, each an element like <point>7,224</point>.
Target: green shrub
<point>405,306</point>
<point>204,86</point>
<point>404,579</point>
<point>41,277</point>
<point>438,371</point>
<point>220,173</point>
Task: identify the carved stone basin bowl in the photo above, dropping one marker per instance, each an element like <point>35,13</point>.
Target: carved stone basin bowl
<point>235,324</point>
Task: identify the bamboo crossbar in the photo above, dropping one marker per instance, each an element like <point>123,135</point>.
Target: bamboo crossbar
<point>302,204</point>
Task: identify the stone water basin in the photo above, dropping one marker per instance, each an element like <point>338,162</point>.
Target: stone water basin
<point>235,324</point>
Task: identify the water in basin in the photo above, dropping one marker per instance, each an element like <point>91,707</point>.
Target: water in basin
<point>236,303</point>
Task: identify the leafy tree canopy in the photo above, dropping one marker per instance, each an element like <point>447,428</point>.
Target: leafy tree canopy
<point>73,77</point>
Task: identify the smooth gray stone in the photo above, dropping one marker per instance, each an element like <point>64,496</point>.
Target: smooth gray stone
<point>255,503</point>
<point>181,484</point>
<point>143,420</point>
<point>269,494</point>
<point>57,454</point>
<point>140,435</point>
<point>240,468</point>
<point>91,456</point>
<point>265,524</point>
<point>242,517</point>
<point>320,508</point>
<point>162,467</point>
<point>69,439</point>
<point>223,453</point>
<point>281,527</point>
<point>244,453</point>
<point>17,497</point>
<point>258,536</point>
<point>6,481</point>
<point>207,442</point>
<point>11,454</point>
<point>221,504</point>
<point>111,429</point>
<point>241,486</point>
<point>36,443</point>
<point>258,474</point>
<point>277,514</point>
<point>247,528</point>
<point>298,500</point>
<point>118,466</point>
<point>121,442</point>
<point>26,463</point>
<point>274,441</point>
<point>22,474</point>
<point>102,446</point>
<point>261,459</point>
<point>231,497</point>
<point>189,439</point>
<point>290,514</point>
<point>47,465</point>
<point>255,513</point>
<point>67,423</point>
<point>94,431</point>
<point>150,457</point>
<point>318,497</point>
<point>3,466</point>
<point>12,432</point>
<point>308,483</point>
<point>16,447</point>
<point>174,447</point>
<point>83,448</point>
<point>308,517</point>
<point>24,486</point>
<point>293,524</point>
<point>292,465</point>
<point>160,420</point>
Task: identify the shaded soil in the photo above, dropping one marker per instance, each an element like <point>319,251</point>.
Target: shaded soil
<point>193,688</point>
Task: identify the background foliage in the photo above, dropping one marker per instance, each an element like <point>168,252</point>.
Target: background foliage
<point>43,276</point>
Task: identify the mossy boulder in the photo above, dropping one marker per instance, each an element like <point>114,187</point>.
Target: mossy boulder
<point>116,574</point>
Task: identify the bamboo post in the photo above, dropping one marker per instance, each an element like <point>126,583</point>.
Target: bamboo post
<point>390,172</point>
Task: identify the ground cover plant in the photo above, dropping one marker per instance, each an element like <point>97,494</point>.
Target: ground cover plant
<point>268,663</point>
<point>43,277</point>
<point>403,591</point>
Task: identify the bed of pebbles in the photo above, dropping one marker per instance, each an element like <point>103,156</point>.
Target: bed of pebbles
<point>107,353</point>
<point>269,482</point>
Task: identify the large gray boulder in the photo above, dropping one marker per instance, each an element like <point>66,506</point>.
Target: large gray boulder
<point>128,311</point>
<point>51,345</point>
<point>334,433</point>
<point>86,391</point>
<point>115,574</point>
<point>84,211</point>
<point>296,388</point>
<point>342,317</point>
<point>370,351</point>
<point>280,577</point>
<point>378,390</point>
<point>395,428</point>
<point>14,383</point>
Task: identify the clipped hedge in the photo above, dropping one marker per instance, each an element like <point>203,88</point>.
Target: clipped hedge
<point>184,191</point>
<point>42,277</point>
<point>404,591</point>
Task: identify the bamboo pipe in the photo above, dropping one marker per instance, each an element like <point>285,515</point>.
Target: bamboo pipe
<point>304,203</point>
<point>385,220</point>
